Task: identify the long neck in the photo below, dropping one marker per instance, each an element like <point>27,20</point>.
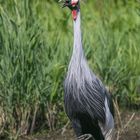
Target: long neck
<point>78,68</point>
<point>77,54</point>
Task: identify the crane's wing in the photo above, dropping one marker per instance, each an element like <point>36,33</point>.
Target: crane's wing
<point>99,105</point>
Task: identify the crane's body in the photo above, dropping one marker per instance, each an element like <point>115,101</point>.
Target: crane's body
<point>87,102</point>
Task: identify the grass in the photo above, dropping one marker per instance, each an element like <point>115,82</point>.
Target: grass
<point>35,47</point>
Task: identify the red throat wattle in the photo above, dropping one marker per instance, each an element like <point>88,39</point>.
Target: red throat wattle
<point>74,11</point>
<point>74,14</point>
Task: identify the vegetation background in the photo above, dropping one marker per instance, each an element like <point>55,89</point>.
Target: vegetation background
<point>36,39</point>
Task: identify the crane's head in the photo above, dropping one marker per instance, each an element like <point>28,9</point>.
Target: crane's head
<point>74,7</point>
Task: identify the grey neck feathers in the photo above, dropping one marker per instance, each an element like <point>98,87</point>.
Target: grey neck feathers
<point>78,67</point>
<point>78,53</point>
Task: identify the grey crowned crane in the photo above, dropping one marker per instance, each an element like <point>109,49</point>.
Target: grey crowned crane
<point>87,102</point>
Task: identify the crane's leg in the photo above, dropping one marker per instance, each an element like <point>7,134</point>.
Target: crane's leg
<point>86,137</point>
<point>78,130</point>
<point>77,127</point>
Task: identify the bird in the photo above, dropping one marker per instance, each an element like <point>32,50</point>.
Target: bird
<point>87,102</point>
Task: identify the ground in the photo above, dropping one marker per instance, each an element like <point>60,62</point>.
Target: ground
<point>126,129</point>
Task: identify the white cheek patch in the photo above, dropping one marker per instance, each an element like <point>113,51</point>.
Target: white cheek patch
<point>74,1</point>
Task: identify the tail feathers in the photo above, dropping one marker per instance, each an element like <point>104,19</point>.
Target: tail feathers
<point>110,135</point>
<point>108,127</point>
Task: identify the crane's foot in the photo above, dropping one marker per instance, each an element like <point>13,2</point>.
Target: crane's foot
<point>86,137</point>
